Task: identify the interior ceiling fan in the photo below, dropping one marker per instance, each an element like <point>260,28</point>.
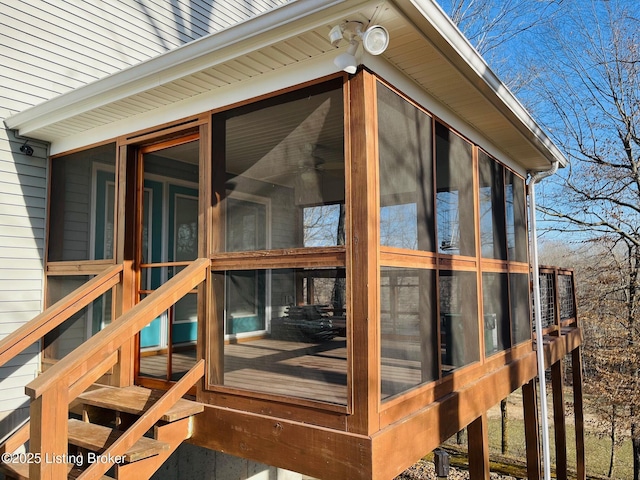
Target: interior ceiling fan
<point>311,158</point>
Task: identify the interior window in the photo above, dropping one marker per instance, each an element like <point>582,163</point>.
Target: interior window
<point>81,205</point>
<point>454,194</point>
<point>458,319</point>
<point>292,154</point>
<point>492,208</point>
<point>406,173</point>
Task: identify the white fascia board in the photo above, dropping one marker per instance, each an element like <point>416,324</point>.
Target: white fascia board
<point>283,22</point>
<point>220,97</point>
<point>469,62</point>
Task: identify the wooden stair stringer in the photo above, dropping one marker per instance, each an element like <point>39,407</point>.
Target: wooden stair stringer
<point>174,427</point>
<point>173,434</point>
<point>152,413</point>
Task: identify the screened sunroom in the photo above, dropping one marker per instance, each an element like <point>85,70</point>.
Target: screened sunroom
<point>347,254</point>
<point>366,259</point>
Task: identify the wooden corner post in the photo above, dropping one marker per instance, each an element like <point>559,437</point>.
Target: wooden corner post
<point>363,259</point>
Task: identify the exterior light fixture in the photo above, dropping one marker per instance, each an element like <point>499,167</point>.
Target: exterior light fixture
<point>335,35</point>
<point>26,149</point>
<point>375,40</point>
<point>347,61</point>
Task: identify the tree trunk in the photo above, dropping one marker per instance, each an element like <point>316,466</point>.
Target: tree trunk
<point>504,423</point>
<point>635,441</point>
<point>461,437</point>
<point>612,436</point>
<point>338,296</point>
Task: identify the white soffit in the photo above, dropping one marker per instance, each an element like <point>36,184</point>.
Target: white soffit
<point>424,45</point>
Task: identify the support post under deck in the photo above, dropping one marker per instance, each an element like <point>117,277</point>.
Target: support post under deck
<point>531,433</point>
<point>478,432</point>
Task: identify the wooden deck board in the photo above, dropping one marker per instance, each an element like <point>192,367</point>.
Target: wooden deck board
<point>97,438</point>
<point>316,371</point>
<point>137,400</point>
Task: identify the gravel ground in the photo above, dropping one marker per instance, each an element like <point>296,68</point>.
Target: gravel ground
<point>424,470</point>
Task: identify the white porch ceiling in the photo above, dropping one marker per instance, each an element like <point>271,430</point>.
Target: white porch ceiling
<point>424,46</point>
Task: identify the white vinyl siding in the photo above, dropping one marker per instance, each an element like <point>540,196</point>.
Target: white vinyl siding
<point>47,48</point>
<point>22,227</point>
<point>50,47</point>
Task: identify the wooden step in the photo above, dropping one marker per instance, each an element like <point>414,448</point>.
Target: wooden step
<point>136,400</point>
<point>20,471</point>
<point>97,438</point>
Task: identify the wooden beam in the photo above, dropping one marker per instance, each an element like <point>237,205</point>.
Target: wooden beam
<point>315,451</point>
<point>401,444</point>
<point>557,347</point>
<point>478,432</point>
<point>560,428</point>
<point>531,430</point>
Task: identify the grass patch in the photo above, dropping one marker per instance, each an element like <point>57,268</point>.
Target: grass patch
<point>597,450</point>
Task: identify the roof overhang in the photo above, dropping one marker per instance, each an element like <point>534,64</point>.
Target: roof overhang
<point>426,47</point>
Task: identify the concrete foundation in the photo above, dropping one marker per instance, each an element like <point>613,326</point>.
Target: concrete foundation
<point>190,462</point>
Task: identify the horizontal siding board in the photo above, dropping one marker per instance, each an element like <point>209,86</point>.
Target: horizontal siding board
<point>17,41</point>
<point>12,180</point>
<point>16,398</point>
<point>33,75</point>
<point>24,232</point>
<point>23,315</point>
<point>21,263</point>
<point>8,201</point>
<point>19,242</point>
<point>13,285</point>
<point>13,172</point>
<point>149,20</point>
<point>20,296</point>
<point>19,82</point>
<point>30,187</point>
<point>104,24</point>
<point>23,181</point>
<point>21,221</point>
<point>11,324</point>
<point>16,100</point>
<point>48,32</point>
<point>21,47</point>
<point>11,154</point>
<point>15,372</point>
<point>13,306</point>
<point>24,253</point>
<point>30,63</point>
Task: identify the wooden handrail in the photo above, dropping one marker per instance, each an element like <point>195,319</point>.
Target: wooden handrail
<point>92,352</point>
<point>52,391</point>
<point>145,422</point>
<point>39,326</point>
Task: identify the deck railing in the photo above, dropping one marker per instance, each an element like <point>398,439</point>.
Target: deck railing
<point>557,298</point>
<point>53,391</point>
<point>54,316</point>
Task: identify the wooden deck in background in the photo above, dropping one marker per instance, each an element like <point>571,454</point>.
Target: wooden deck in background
<point>314,371</point>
